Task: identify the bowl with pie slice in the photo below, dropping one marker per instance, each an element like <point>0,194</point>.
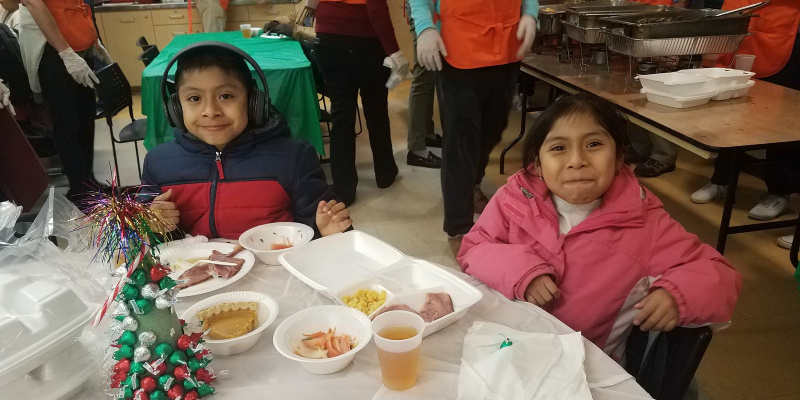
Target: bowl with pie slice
<point>234,321</point>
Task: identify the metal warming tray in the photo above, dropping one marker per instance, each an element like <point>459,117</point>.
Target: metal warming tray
<point>585,35</point>
<point>678,24</point>
<point>590,16</point>
<point>550,19</point>
<point>620,43</point>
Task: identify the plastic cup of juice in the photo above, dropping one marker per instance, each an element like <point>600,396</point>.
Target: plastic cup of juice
<point>398,336</point>
<point>245,30</point>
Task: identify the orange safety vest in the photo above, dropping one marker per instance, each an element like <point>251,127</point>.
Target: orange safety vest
<point>479,33</point>
<point>347,1</point>
<point>656,2</point>
<point>773,35</point>
<point>74,20</point>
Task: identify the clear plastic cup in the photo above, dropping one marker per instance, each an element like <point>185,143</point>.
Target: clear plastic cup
<point>399,358</point>
<point>245,30</point>
<point>255,32</point>
<point>744,62</point>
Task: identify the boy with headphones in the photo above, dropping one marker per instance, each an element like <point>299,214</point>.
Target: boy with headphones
<point>233,164</point>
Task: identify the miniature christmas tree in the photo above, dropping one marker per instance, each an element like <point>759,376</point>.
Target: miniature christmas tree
<point>154,358</point>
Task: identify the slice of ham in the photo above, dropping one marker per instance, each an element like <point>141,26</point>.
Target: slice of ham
<point>197,274</point>
<point>437,305</point>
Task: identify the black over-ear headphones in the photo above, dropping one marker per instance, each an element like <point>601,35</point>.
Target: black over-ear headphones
<point>258,101</point>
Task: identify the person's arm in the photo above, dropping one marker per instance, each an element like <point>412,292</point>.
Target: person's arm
<point>703,284</point>
<point>378,12</point>
<point>309,188</point>
<point>487,255</point>
<point>530,7</point>
<point>44,19</point>
<point>304,33</point>
<point>422,14</point>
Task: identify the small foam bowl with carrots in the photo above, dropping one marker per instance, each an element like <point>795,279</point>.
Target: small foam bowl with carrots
<point>269,241</point>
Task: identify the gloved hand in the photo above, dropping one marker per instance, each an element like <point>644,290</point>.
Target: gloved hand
<point>429,46</point>
<point>283,29</point>
<point>102,53</point>
<point>269,26</point>
<point>5,98</point>
<point>526,32</point>
<point>78,68</point>
<point>399,64</point>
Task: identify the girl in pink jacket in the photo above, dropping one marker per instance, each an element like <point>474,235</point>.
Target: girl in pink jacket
<point>575,234</point>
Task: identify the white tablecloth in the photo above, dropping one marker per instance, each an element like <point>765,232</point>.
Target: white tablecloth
<point>262,373</point>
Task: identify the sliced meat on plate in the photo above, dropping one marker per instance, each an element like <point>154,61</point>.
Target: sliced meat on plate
<point>217,256</point>
<point>437,305</point>
<point>227,271</point>
<point>197,274</point>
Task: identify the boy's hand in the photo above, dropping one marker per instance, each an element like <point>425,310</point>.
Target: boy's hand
<point>167,209</point>
<point>659,312</point>
<point>332,217</point>
<point>542,291</point>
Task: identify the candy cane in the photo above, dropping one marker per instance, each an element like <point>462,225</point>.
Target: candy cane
<point>131,267</point>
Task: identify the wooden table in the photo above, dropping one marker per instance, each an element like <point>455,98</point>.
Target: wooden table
<point>768,117</point>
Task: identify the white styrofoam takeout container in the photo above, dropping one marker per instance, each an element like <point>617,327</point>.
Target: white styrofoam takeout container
<point>339,265</point>
<point>733,92</point>
<point>675,84</point>
<point>721,78</point>
<point>260,239</point>
<point>675,101</point>
<point>267,312</point>
<point>38,320</point>
<point>346,320</point>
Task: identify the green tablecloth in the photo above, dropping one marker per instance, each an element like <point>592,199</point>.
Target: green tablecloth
<point>288,72</point>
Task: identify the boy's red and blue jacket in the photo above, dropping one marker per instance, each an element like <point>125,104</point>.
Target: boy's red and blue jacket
<point>262,176</point>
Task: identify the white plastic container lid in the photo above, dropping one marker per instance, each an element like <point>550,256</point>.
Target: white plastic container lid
<point>676,101</point>
<point>675,84</point>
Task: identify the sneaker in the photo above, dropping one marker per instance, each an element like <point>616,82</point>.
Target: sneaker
<point>431,161</point>
<point>771,207</point>
<point>479,200</point>
<point>786,241</point>
<point>709,193</point>
<point>653,168</point>
<point>455,243</point>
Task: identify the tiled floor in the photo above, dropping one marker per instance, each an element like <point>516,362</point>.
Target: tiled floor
<point>757,358</point>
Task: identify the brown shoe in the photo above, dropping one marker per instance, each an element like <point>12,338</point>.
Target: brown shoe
<point>455,243</point>
<point>479,199</point>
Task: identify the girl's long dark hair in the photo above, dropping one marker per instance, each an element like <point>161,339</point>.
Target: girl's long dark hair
<point>604,112</point>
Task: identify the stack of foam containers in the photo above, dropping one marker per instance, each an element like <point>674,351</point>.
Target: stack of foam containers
<point>695,87</point>
<point>41,323</point>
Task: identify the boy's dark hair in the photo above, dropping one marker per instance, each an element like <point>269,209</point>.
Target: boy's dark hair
<point>604,112</point>
<point>207,57</point>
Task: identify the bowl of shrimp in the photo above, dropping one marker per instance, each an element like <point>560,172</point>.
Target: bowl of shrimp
<point>323,339</point>
<point>269,241</point>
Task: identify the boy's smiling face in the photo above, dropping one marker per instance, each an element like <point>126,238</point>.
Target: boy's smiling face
<point>214,105</point>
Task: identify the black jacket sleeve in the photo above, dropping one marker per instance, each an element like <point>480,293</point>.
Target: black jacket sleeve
<point>310,187</point>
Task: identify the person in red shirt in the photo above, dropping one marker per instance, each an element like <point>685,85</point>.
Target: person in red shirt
<point>355,36</point>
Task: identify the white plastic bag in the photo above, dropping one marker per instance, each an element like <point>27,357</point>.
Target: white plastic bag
<point>537,366</point>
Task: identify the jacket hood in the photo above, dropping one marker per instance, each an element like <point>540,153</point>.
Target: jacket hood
<point>623,203</point>
<point>275,127</point>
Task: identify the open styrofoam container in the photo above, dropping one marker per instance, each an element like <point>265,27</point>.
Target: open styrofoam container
<point>38,320</point>
<point>339,265</point>
<point>675,101</point>
<point>675,84</point>
<point>721,78</point>
<point>733,92</point>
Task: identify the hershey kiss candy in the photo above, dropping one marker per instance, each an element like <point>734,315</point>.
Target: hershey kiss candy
<point>149,291</point>
<point>128,338</point>
<point>124,351</point>
<point>164,350</point>
<point>158,395</point>
<point>138,277</point>
<point>129,292</point>
<point>204,389</point>
<point>164,301</point>
<point>147,338</point>
<point>120,309</point>
<point>177,358</point>
<point>129,324</point>
<point>141,354</point>
<point>191,395</point>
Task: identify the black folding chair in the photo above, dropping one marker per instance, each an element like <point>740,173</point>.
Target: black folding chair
<point>148,55</point>
<point>115,92</point>
<point>142,43</point>
<point>667,367</point>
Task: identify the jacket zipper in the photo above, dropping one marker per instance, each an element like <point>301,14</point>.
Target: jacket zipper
<point>213,194</point>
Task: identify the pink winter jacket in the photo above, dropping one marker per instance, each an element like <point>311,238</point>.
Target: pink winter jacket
<point>603,266</point>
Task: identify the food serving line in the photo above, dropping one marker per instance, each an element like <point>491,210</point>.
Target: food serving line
<point>767,117</point>
<point>299,294</point>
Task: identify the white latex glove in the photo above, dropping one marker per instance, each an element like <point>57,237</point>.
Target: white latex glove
<point>526,32</point>
<point>102,53</point>
<point>78,68</point>
<point>399,64</point>
<point>5,98</point>
<point>429,46</point>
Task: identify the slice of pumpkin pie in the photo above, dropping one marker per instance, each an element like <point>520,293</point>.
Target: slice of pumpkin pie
<point>229,320</point>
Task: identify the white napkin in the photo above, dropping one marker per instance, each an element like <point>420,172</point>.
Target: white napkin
<point>537,366</point>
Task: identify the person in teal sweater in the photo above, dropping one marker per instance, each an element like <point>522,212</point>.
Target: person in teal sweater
<point>475,46</point>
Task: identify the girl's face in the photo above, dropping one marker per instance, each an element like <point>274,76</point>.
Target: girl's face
<point>578,159</point>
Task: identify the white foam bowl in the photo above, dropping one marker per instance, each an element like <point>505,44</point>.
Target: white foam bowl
<point>260,239</point>
<point>267,312</point>
<point>346,321</point>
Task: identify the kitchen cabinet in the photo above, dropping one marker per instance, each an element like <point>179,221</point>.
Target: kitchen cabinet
<point>165,33</point>
<point>122,29</point>
<point>175,16</point>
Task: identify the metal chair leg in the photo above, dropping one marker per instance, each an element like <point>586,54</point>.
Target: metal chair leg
<point>733,181</point>
<point>138,164</point>
<point>521,126</point>
<point>327,123</point>
<point>113,147</point>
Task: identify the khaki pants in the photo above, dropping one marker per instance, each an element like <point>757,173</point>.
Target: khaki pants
<point>212,15</point>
